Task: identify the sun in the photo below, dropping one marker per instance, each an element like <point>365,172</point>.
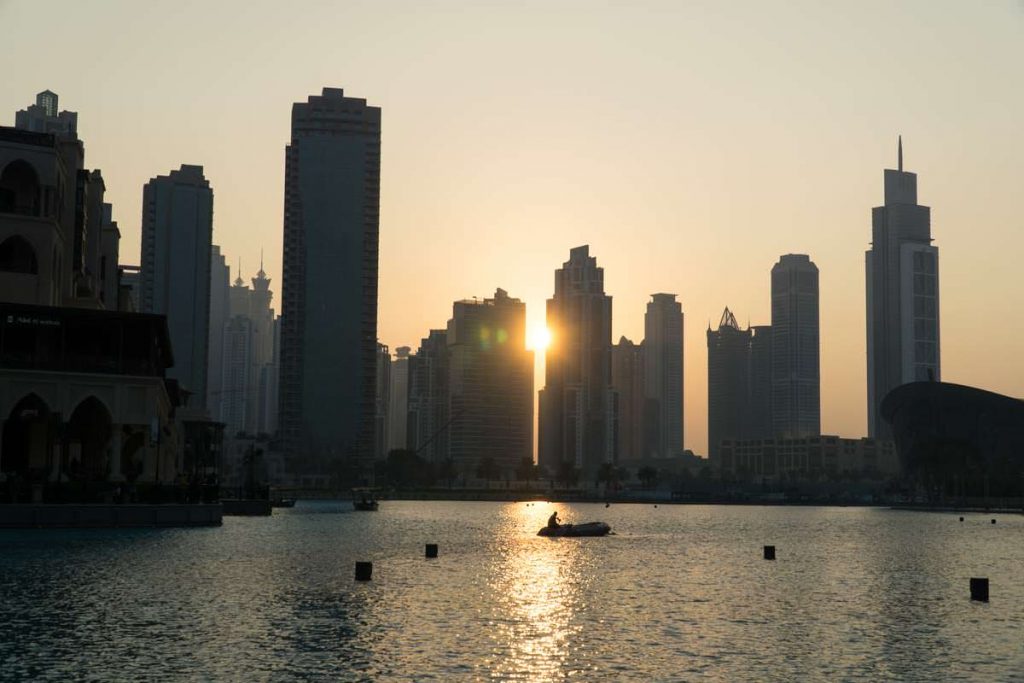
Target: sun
<point>539,338</point>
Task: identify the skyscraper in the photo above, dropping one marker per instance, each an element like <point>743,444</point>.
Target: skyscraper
<point>490,384</point>
<point>329,290</point>
<point>759,425</point>
<point>427,429</point>
<point>796,378</point>
<point>220,313</point>
<point>578,412</point>
<point>663,383</point>
<point>399,399</point>
<point>902,275</point>
<point>177,235</point>
<point>628,383</point>
<point>381,416</point>
<point>728,382</point>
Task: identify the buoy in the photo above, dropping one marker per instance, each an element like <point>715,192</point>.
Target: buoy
<point>769,552</point>
<point>979,589</point>
<point>364,571</point>
<point>607,505</point>
<point>961,519</point>
<point>431,550</point>
<point>993,521</point>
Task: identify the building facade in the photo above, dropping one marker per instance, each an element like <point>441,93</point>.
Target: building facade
<point>220,313</point>
<point>728,383</point>
<point>381,415</point>
<point>796,375</point>
<point>628,383</point>
<point>428,414</point>
<point>902,275</point>
<point>177,239</point>
<point>329,290</point>
<point>808,459</point>
<point>663,370</point>
<point>490,384</point>
<point>398,397</point>
<point>578,408</point>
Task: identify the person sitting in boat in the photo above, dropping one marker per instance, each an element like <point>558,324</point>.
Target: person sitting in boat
<point>553,520</point>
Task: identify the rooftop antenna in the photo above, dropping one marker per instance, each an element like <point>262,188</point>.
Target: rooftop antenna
<point>900,153</point>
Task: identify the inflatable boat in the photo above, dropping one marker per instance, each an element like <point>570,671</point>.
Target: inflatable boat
<point>588,529</point>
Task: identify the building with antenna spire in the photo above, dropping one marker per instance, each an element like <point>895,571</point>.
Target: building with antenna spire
<point>902,283</point>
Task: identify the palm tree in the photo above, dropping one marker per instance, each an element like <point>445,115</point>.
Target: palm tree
<point>488,469</point>
<point>648,475</point>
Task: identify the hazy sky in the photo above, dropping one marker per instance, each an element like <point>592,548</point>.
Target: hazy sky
<point>689,143</point>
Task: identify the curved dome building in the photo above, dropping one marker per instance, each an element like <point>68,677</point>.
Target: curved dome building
<point>957,439</point>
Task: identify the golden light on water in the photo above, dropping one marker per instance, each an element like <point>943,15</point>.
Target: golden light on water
<point>540,584</point>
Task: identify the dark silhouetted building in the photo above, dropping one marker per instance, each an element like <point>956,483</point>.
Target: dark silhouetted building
<point>809,459</point>
<point>398,394</point>
<point>663,377</point>
<point>329,286</point>
<point>490,384</point>
<point>220,313</point>
<point>177,234</point>
<point>628,383</point>
<point>760,411</point>
<point>957,441</point>
<point>796,377</point>
<point>578,412</point>
<point>428,415</point>
<point>728,382</point>
<point>902,272</point>
<point>382,415</point>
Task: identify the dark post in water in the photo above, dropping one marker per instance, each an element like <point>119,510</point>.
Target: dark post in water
<point>979,589</point>
<point>769,552</point>
<point>431,550</point>
<point>364,571</point>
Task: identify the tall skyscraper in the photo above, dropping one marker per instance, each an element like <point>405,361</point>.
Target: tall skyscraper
<point>628,383</point>
<point>177,236</point>
<point>490,384</point>
<point>760,409</point>
<point>902,274</point>
<point>578,411</point>
<point>663,383</point>
<point>728,383</point>
<point>381,416</point>
<point>399,400</point>
<point>220,313</point>
<point>796,377</point>
<point>329,291</point>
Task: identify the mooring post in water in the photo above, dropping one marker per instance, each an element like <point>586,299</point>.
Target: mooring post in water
<point>961,519</point>
<point>364,571</point>
<point>431,550</point>
<point>979,589</point>
<point>993,521</point>
<point>769,552</point>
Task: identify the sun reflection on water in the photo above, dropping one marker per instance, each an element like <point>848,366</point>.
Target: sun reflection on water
<point>541,583</point>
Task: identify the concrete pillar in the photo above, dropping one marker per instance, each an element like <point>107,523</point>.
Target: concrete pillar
<point>115,455</point>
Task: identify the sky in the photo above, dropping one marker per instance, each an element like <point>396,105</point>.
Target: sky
<point>690,144</point>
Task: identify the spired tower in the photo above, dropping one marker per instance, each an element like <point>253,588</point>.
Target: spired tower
<point>902,275</point>
<point>578,408</point>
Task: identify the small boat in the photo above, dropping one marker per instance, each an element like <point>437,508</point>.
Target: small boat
<point>588,529</point>
<point>282,503</point>
<point>364,499</point>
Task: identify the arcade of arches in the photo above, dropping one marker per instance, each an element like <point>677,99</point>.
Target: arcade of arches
<point>38,445</point>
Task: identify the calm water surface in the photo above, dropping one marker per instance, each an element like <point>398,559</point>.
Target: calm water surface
<point>679,593</point>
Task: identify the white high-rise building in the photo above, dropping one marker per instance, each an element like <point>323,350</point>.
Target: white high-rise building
<point>902,274</point>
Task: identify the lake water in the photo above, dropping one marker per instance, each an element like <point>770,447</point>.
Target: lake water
<point>679,593</point>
